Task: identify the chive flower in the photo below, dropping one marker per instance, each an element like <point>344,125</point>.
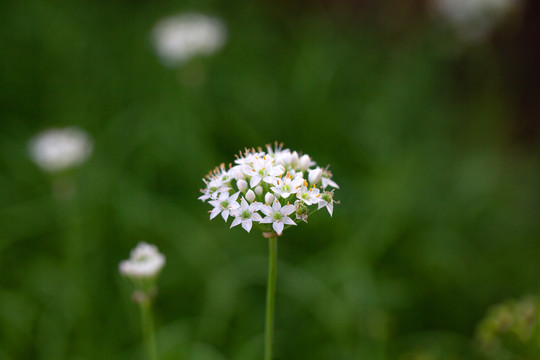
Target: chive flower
<point>272,189</point>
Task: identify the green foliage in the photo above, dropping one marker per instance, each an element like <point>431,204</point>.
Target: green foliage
<point>439,208</point>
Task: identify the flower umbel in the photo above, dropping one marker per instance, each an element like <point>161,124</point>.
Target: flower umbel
<point>58,149</point>
<point>266,180</point>
<point>142,269</point>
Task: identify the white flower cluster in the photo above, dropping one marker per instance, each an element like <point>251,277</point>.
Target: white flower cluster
<point>474,19</point>
<point>59,149</point>
<point>145,262</point>
<point>277,187</point>
<point>179,38</point>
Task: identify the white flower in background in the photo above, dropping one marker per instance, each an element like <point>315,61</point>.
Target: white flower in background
<point>59,149</point>
<point>179,38</point>
<point>246,214</point>
<point>474,19</point>
<point>268,179</point>
<point>145,262</point>
<point>277,216</point>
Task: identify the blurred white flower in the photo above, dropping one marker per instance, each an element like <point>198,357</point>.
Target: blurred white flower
<point>179,38</point>
<point>145,262</point>
<point>474,19</point>
<point>58,149</point>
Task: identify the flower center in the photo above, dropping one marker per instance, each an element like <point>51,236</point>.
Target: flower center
<point>327,197</point>
<point>261,172</point>
<point>224,204</point>
<point>277,216</point>
<point>246,214</point>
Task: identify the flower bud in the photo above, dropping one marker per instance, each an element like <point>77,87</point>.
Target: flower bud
<point>304,162</point>
<point>294,158</point>
<point>268,198</point>
<point>315,175</point>
<point>242,185</point>
<point>250,195</point>
<point>259,190</point>
<point>237,173</point>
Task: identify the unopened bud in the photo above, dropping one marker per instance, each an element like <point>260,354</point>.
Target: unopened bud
<point>250,195</point>
<point>242,185</point>
<point>268,198</point>
<point>304,162</point>
<point>315,175</point>
<point>259,190</point>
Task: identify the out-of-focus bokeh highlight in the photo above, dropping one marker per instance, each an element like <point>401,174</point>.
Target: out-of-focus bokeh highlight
<point>427,110</point>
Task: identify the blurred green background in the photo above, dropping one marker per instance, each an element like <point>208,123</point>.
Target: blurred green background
<point>434,142</point>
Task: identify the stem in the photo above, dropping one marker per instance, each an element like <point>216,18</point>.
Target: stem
<point>148,329</point>
<point>270,297</point>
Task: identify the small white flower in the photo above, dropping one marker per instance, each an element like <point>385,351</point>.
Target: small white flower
<point>58,149</point>
<point>286,187</point>
<point>263,169</point>
<point>308,196</point>
<point>246,214</point>
<point>224,204</point>
<point>473,19</point>
<point>179,38</point>
<point>145,262</point>
<point>327,179</point>
<point>327,199</point>
<point>277,216</point>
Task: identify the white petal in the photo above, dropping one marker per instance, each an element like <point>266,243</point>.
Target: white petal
<point>333,184</point>
<point>215,212</point>
<point>287,209</point>
<point>276,206</point>
<point>214,203</point>
<point>255,179</point>
<point>265,209</point>
<point>278,227</point>
<point>321,204</point>
<point>266,220</point>
<point>256,217</point>
<point>246,224</point>
<point>244,203</point>
<point>234,197</point>
<point>225,214</point>
<point>288,221</point>
<point>330,207</point>
<point>276,170</point>
<point>236,221</point>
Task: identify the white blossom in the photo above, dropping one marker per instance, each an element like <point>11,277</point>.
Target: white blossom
<point>59,149</point>
<point>326,199</point>
<point>287,186</point>
<point>224,204</point>
<point>145,262</point>
<point>179,38</point>
<point>245,215</point>
<point>277,216</point>
<point>473,19</point>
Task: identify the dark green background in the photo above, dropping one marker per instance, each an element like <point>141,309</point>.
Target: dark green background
<point>439,185</point>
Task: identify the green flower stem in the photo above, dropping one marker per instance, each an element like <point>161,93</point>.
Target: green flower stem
<point>148,328</point>
<point>270,297</point>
